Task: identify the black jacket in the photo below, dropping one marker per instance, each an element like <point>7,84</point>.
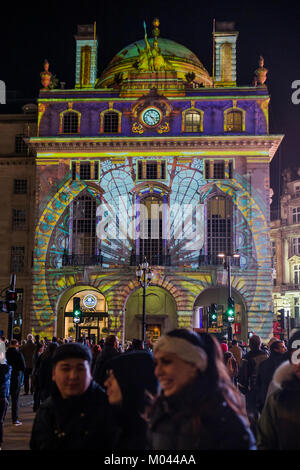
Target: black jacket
<point>264,376</point>
<point>79,423</point>
<point>186,422</point>
<point>15,359</point>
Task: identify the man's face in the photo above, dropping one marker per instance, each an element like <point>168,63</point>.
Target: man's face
<point>280,348</point>
<point>72,377</point>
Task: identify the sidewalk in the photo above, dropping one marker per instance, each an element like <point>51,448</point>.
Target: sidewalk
<point>18,437</point>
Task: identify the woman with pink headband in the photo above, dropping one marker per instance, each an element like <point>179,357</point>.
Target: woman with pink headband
<point>198,408</point>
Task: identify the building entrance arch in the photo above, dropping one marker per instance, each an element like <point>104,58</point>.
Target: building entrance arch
<point>161,313</point>
<point>93,306</point>
<point>219,296</point>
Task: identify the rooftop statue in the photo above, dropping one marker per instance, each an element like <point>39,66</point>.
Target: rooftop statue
<point>151,57</point>
<point>260,73</point>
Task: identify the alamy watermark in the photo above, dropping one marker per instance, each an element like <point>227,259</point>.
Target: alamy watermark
<point>295,357</point>
<point>154,221</point>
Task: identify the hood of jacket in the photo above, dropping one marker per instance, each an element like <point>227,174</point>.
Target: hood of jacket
<point>284,373</point>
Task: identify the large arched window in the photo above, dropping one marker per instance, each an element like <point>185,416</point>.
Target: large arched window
<point>219,234</point>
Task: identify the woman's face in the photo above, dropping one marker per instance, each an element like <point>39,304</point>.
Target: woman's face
<point>172,372</point>
<point>113,390</point>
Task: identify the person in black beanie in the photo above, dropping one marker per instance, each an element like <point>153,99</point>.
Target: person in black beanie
<point>75,415</point>
<point>130,385</point>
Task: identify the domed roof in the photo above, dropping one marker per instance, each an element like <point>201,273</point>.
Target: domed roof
<point>179,58</point>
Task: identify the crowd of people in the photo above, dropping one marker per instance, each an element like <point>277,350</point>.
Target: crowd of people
<point>187,391</point>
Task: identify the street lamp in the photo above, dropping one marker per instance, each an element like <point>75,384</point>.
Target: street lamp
<point>144,276</point>
<point>227,265</point>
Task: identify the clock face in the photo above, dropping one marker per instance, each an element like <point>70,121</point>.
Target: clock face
<point>151,116</point>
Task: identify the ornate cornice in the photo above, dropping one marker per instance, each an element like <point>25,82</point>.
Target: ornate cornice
<point>199,145</point>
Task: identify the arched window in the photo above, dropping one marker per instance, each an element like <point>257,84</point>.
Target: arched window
<point>70,123</point>
<point>192,121</point>
<point>219,233</point>
<point>234,121</point>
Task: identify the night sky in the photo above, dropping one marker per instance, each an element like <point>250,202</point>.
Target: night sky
<point>30,34</point>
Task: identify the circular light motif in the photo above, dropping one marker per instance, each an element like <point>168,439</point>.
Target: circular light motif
<point>151,116</point>
<point>90,301</point>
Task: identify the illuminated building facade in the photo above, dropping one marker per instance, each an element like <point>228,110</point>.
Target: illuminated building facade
<point>155,158</point>
<point>285,240</point>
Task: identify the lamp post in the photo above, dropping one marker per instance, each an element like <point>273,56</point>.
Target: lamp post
<point>144,276</point>
<point>227,265</point>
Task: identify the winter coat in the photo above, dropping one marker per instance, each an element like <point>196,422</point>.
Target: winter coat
<point>248,375</point>
<point>186,421</point>
<point>264,377</point>
<point>77,423</point>
<point>100,369</point>
<point>279,425</point>
<point>5,373</point>
<point>15,359</point>
<point>28,351</point>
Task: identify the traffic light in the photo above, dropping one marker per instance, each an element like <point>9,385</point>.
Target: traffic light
<point>77,318</point>
<point>281,317</point>
<point>11,301</point>
<point>230,310</point>
<point>212,314</point>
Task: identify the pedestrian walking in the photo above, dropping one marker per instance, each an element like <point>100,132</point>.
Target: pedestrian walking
<point>75,415</point>
<point>130,384</point>
<point>28,350</point>
<point>16,360</point>
<point>266,371</point>
<point>247,377</point>
<point>199,407</point>
<point>279,424</point>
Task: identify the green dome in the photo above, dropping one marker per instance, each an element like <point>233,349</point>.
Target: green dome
<point>181,59</point>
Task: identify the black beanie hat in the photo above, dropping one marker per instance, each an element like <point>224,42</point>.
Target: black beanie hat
<point>72,350</point>
<point>134,372</point>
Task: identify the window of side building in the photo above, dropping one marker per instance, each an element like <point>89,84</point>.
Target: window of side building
<point>20,145</point>
<point>17,259</point>
<point>20,186</point>
<point>296,215</point>
<point>296,246</point>
<point>19,219</point>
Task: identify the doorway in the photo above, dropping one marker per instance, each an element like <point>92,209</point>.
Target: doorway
<point>90,333</point>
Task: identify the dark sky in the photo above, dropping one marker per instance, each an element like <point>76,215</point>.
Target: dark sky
<point>30,34</point>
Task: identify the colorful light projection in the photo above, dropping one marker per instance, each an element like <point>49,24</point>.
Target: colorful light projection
<point>185,183</point>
